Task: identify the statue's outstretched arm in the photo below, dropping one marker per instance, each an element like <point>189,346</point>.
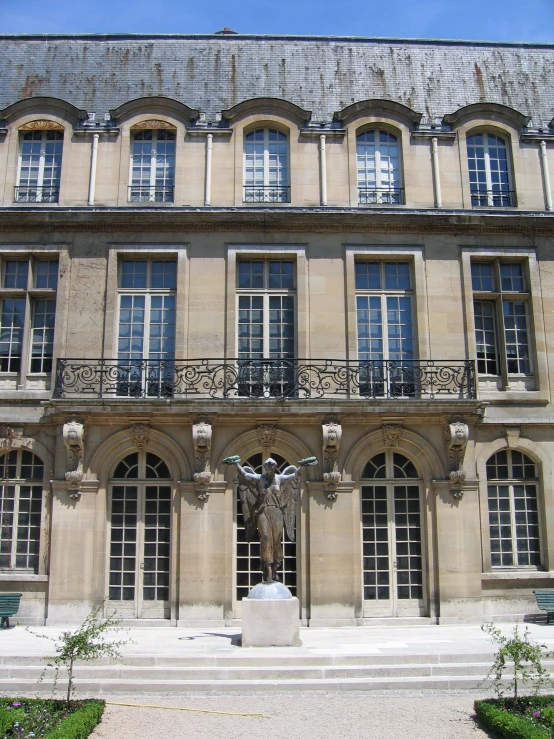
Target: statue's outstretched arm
<point>235,460</point>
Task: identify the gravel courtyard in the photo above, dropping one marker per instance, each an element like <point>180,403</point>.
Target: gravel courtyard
<point>299,716</point>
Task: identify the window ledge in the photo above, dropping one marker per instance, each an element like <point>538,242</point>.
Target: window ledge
<point>22,577</point>
<point>517,575</point>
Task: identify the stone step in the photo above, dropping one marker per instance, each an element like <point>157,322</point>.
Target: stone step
<point>259,674</point>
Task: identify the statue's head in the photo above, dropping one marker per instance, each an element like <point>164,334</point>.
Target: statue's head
<point>270,465</point>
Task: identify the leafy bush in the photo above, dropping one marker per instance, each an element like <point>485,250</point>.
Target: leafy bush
<point>48,718</point>
<point>507,724</point>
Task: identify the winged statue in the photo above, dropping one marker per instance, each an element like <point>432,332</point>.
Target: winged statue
<point>268,503</point>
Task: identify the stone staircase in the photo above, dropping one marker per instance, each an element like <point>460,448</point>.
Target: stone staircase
<point>254,671</point>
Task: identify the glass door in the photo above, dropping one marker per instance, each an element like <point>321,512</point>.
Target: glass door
<point>393,570</point>
<point>140,537</point>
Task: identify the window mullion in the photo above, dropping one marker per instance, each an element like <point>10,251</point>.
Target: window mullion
<point>385,326</point>
<point>266,323</point>
<point>152,194</point>
<point>266,163</point>
<point>488,169</point>
<point>42,157</point>
<point>513,525</point>
<point>14,525</point>
<point>378,178</point>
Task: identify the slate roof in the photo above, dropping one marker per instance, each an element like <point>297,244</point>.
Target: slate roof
<point>321,74</point>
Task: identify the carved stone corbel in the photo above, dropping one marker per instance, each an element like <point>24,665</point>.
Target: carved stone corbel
<point>266,434</point>
<point>391,434</point>
<point>457,435</point>
<point>139,434</point>
<point>73,438</point>
<point>332,434</point>
<point>202,441</point>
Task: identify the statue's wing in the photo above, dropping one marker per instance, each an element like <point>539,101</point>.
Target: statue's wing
<point>290,492</point>
<point>248,493</point>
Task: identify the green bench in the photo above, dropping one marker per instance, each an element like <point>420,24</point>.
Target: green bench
<point>545,601</point>
<point>9,605</point>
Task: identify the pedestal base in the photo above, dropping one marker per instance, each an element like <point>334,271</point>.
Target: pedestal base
<point>270,623</point>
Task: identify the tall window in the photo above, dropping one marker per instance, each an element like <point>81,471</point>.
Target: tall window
<point>21,474</point>
<point>27,316</point>
<point>266,326</point>
<point>153,166</point>
<point>489,171</point>
<point>513,510</point>
<point>501,306</point>
<point>146,329</point>
<point>391,532</point>
<point>140,536</point>
<point>379,179</point>
<point>266,167</point>
<point>385,332</point>
<point>40,167</point>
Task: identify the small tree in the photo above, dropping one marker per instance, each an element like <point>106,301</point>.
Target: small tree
<point>87,643</point>
<point>520,657</point>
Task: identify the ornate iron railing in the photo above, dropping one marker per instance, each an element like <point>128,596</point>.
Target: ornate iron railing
<point>266,194</point>
<point>147,194</point>
<point>35,194</point>
<point>262,379</point>
<point>380,195</point>
<point>483,198</point>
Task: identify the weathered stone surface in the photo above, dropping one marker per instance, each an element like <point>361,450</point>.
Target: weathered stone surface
<point>270,623</point>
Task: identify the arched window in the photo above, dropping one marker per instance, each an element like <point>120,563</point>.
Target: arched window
<point>140,536</point>
<point>40,163</point>
<point>512,485</point>
<point>489,171</point>
<point>392,538</point>
<point>379,177</point>
<point>21,474</point>
<point>249,572</point>
<point>153,166</point>
<point>266,167</point>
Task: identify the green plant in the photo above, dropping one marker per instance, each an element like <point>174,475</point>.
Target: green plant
<point>87,643</point>
<point>79,724</point>
<point>520,657</point>
<point>8,717</point>
<point>34,718</point>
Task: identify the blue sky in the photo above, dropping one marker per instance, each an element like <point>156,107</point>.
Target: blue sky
<point>494,20</point>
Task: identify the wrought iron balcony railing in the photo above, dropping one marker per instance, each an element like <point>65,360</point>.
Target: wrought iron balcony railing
<point>147,194</point>
<point>492,198</point>
<point>34,194</point>
<point>266,194</point>
<point>380,195</point>
<point>263,379</point>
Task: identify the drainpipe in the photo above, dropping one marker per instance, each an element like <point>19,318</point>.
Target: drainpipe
<point>546,177</point>
<point>436,171</point>
<point>322,170</point>
<point>208,178</point>
<point>93,159</point>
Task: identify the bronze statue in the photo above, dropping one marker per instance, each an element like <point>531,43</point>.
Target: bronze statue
<point>268,502</point>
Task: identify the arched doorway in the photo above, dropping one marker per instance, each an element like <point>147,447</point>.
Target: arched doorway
<point>392,537</point>
<point>140,537</point>
<point>247,563</point>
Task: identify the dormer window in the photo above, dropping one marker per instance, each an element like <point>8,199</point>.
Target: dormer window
<point>489,172</point>
<point>40,163</point>
<point>378,161</point>
<point>266,167</point>
<point>152,174</point>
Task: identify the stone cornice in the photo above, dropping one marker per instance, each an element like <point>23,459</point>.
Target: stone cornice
<point>282,219</point>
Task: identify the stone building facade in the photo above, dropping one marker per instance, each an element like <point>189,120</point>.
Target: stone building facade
<point>227,244</point>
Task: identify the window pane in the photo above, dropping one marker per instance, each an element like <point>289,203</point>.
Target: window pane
<point>515,331</point>
<point>11,334</point>
<point>164,275</point>
<point>368,275</point>
<point>481,277</point>
<point>46,275</point>
<point>511,276</point>
<point>485,337</point>
<point>42,335</point>
<point>15,274</point>
<point>133,274</point>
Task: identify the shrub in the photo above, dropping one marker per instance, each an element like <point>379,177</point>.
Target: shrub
<point>48,718</point>
<point>79,725</point>
<point>507,724</point>
<point>8,717</point>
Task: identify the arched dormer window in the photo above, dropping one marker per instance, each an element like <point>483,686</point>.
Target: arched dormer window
<point>152,174</point>
<point>40,162</point>
<point>266,167</point>
<point>489,171</point>
<point>378,163</point>
<point>512,488</point>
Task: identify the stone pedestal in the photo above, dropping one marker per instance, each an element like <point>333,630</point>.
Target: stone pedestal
<point>270,621</point>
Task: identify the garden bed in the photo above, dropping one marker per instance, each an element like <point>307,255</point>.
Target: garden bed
<point>530,717</point>
<point>37,718</point>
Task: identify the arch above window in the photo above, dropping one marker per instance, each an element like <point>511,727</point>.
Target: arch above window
<point>141,466</point>
<point>153,124</point>
<point>390,465</point>
<point>154,103</point>
<point>267,105</point>
<point>41,125</point>
<point>377,106</point>
<point>490,111</point>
